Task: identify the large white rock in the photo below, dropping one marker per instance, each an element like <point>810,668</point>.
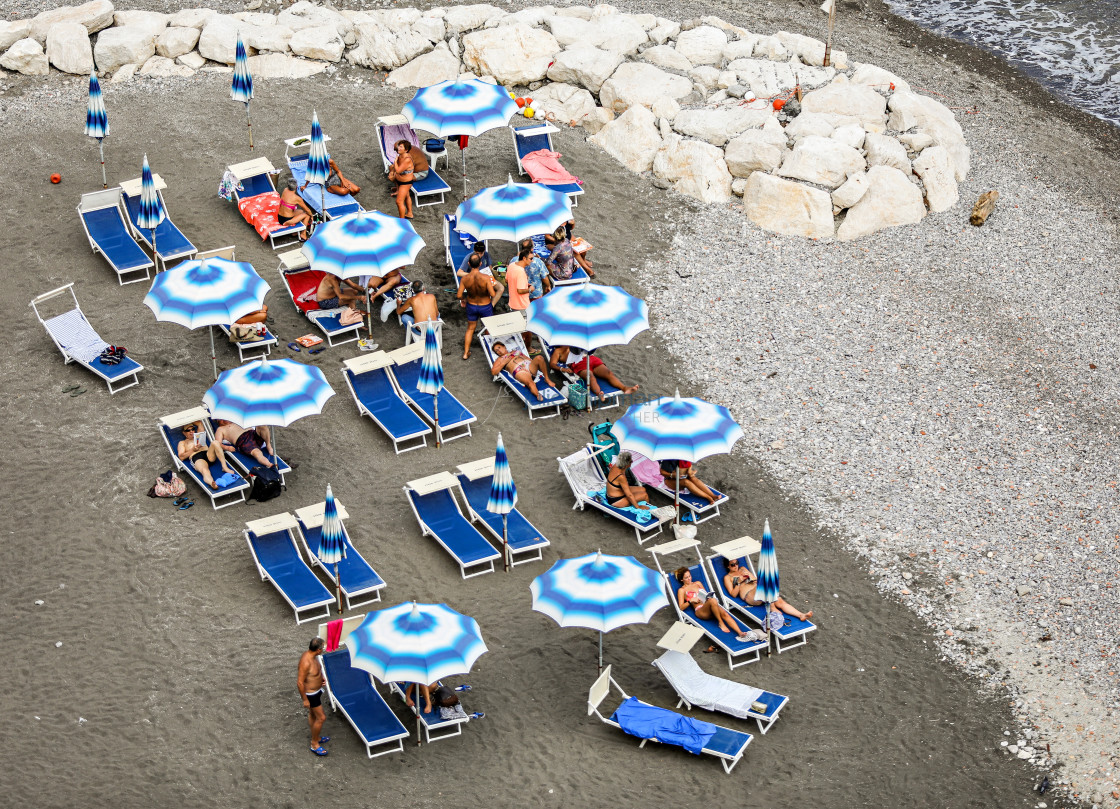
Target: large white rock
<point>854,100</point>
<point>822,161</point>
<point>162,67</point>
<point>283,66</point>
<point>122,46</point>
<point>586,65</point>
<point>718,126</point>
<point>696,169</point>
<point>191,60</point>
<point>664,31</point>
<point>427,69</point>
<point>255,17</point>
<point>811,77</point>
<point>433,28</point>
<point>667,57</point>
<point>765,78</point>
<point>876,78</point>
<point>596,120</point>
<point>632,138</point>
<point>13,32</point>
<point>191,18</point>
<point>151,21</point>
<point>936,120</point>
<point>218,41</point>
<point>393,19</point>
<point>308,15</point>
<point>742,48</point>
<point>851,135</point>
<point>915,141</point>
<point>570,104</point>
<point>665,108</point>
<point>935,166</point>
<point>380,49</point>
<point>26,56</point>
<point>639,84</point>
<point>883,150</point>
<point>94,15</point>
<point>703,45</point>
<point>704,78</point>
<point>770,48</point>
<point>267,38</point>
<point>891,200</point>
<point>177,41</point>
<point>323,43</point>
<point>753,151</point>
<point>468,18</point>
<point>612,32</point>
<point>811,51</point>
<point>787,207</point>
<point>850,192</point>
<point>535,16</point>
<point>512,54</point>
<point>68,48</point>
<point>125,73</point>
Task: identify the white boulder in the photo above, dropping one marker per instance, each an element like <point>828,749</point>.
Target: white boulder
<point>718,126</point>
<point>853,100</point>
<point>124,73</point>
<point>433,28</point>
<point>13,32</point>
<point>850,192</point>
<point>26,56</point>
<point>191,60</point>
<point>754,150</point>
<point>787,207</point>
<point>811,51</point>
<point>632,138</point>
<point>739,186</point>
<point>765,78</point>
<point>381,49</point>
<point>176,41</point>
<point>809,124</point>
<point>535,16</point>
<point>742,48</point>
<point>94,15</point>
<point>811,77</point>
<point>68,48</point>
<point>122,46</point>
<point>770,48</point>
<point>512,54</point>
<point>596,120</point>
<point>267,38</point>
<point>321,42</point>
<point>876,78</point>
<point>696,169</point>
<point>664,31</point>
<point>162,67</point>
<point>256,18</point>
<point>468,18</point>
<point>586,65</point>
<point>850,134</point>
<point>935,166</point>
<point>283,66</point>
<point>666,57</point>
<point>909,110</point>
<point>612,32</point>
<point>891,200</point>
<point>915,141</point>
<point>218,41</point>
<point>303,15</point>
<point>151,21</point>
<point>666,108</point>
<point>704,78</point>
<point>427,69</point>
<point>191,18</point>
<point>822,161</point>
<point>639,84</point>
<point>883,150</point>
<point>568,103</point>
<point>703,45</point>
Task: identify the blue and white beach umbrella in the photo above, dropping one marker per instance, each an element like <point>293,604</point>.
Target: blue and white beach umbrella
<point>212,292</point>
<point>460,107</point>
<point>513,211</point>
<point>599,592</point>
<point>430,380</point>
<point>503,494</point>
<point>767,589</point>
<point>97,120</point>
<point>332,542</point>
<point>364,243</point>
<point>151,211</point>
<point>242,87</point>
<point>416,643</point>
<point>318,161</point>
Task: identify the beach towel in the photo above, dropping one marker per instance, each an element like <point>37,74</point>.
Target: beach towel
<point>228,479</point>
<point>228,185</point>
<point>334,634</point>
<point>668,727</point>
<point>642,515</point>
<point>260,212</point>
<point>394,132</point>
<point>645,470</point>
<point>544,166</point>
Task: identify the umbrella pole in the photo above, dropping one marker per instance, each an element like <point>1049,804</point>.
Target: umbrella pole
<point>589,408</point>
<point>505,542</point>
<point>249,119</point>
<point>213,352</point>
<point>600,652</point>
<point>463,154</point>
<point>416,707</point>
<point>338,587</point>
<point>369,313</point>
<point>768,606</point>
<point>439,435</point>
<point>677,495</point>
<point>101,149</point>
<point>155,251</point>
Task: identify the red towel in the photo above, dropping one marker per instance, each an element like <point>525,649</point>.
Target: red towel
<point>334,634</point>
<point>544,167</point>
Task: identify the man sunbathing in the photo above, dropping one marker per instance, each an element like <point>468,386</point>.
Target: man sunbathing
<point>740,583</point>
<point>334,292</point>
<point>576,361</point>
<point>193,450</point>
<point>248,442</point>
<point>523,368</point>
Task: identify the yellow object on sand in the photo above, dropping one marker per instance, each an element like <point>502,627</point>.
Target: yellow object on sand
<point>529,112</point>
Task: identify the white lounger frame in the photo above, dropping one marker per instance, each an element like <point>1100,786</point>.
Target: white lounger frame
<point>482,468</point>
<point>434,483</point>
<point>111,198</point>
<point>132,188</point>
<point>312,517</point>
<point>274,524</point>
<point>411,353</point>
<point>444,729</point>
<point>176,420</point>
<point>504,328</point>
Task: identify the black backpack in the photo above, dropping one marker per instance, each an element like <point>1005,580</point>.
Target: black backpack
<point>266,483</point>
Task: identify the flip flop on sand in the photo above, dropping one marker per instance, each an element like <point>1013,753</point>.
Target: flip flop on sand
<point>324,739</point>
<point>69,388</point>
<point>294,347</point>
<point>710,649</point>
<point>78,392</point>
<point>186,505</point>
<point>316,350</point>
<point>319,751</point>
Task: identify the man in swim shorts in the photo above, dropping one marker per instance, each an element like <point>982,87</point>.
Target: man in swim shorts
<point>195,451</point>
<point>477,293</point>
<point>333,292</point>
<point>309,681</point>
<point>252,442</point>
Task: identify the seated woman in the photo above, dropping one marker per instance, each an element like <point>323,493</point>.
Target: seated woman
<point>193,450</point>
<point>523,368</point>
<point>576,361</point>
<point>338,184</point>
<point>740,583</point>
<point>684,471</point>
<point>293,210</point>
<point>622,487</point>
<point>580,248</point>
<point>704,604</point>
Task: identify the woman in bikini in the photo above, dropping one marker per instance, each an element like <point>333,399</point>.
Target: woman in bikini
<point>622,487</point>
<point>199,455</point>
<point>523,368</point>
<point>741,583</point>
<point>293,210</point>
<point>403,173</point>
<point>704,604</point>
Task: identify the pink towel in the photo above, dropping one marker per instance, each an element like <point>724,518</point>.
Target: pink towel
<point>544,167</point>
<point>645,470</point>
<point>334,634</point>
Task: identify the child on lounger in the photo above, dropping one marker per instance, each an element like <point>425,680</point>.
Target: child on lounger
<point>194,451</point>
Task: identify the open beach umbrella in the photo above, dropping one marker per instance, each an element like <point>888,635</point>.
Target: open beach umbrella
<point>332,543</point>
<point>587,316</point>
<point>416,643</point>
<point>599,592</point>
<point>275,394</point>
<point>431,373</point>
<point>97,121</point>
<point>242,87</point>
<point>672,428</point>
<point>463,106</point>
<point>767,589</point>
<point>503,495</point>
<point>318,161</point>
<point>151,211</point>
<point>212,292</point>
<point>513,211</point>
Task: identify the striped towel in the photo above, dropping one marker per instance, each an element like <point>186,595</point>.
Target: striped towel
<point>77,338</point>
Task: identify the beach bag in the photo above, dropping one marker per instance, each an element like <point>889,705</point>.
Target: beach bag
<point>246,332</point>
<point>168,485</point>
<point>113,355</point>
<point>350,316</point>
<point>577,395</point>
<point>266,483</point>
<point>775,620</point>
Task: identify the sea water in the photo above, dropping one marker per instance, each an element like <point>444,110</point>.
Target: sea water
<point>1071,47</point>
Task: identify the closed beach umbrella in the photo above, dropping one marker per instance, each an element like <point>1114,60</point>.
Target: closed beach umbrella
<point>212,292</point>
<point>242,87</point>
<point>599,592</point>
<point>503,495</point>
<point>97,121</point>
<point>513,211</point>
<point>416,643</point>
<point>151,211</point>
<point>460,107</point>
<point>767,589</point>
<point>318,161</point>
<point>431,372</point>
<point>332,543</point>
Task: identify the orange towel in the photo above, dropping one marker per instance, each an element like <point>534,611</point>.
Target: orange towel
<point>334,634</point>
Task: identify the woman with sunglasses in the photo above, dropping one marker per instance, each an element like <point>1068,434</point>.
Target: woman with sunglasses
<point>741,583</point>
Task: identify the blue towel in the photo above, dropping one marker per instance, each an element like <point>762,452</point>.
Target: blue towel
<point>642,515</point>
<point>228,479</point>
<point>668,727</point>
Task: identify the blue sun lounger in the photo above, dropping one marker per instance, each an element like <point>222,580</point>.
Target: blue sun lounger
<point>169,243</point>
<point>273,545</point>
<point>79,342</point>
<point>507,329</point>
<point>665,726</point>
<point>357,578</point>
<point>105,227</point>
<point>246,462</point>
<point>435,727</point>
<point>170,428</point>
<point>454,418</point>
<point>353,693</point>
<point>533,138</point>
<point>794,633</point>
<point>585,477</point>
<point>315,195</point>
<point>299,280</point>
<point>438,514</point>
<point>375,395</point>
<point>429,191</point>
<point>525,540</point>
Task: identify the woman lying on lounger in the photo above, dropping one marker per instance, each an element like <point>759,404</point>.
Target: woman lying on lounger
<point>193,450</point>
<point>704,604</point>
<point>673,470</point>
<point>741,584</point>
<point>623,490</point>
<point>523,368</point>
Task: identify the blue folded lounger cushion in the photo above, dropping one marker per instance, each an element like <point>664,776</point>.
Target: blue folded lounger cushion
<point>280,559</point>
<point>376,393</point>
<point>439,513</point>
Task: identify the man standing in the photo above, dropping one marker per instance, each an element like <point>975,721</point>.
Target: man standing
<point>477,293</point>
<point>310,684</point>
